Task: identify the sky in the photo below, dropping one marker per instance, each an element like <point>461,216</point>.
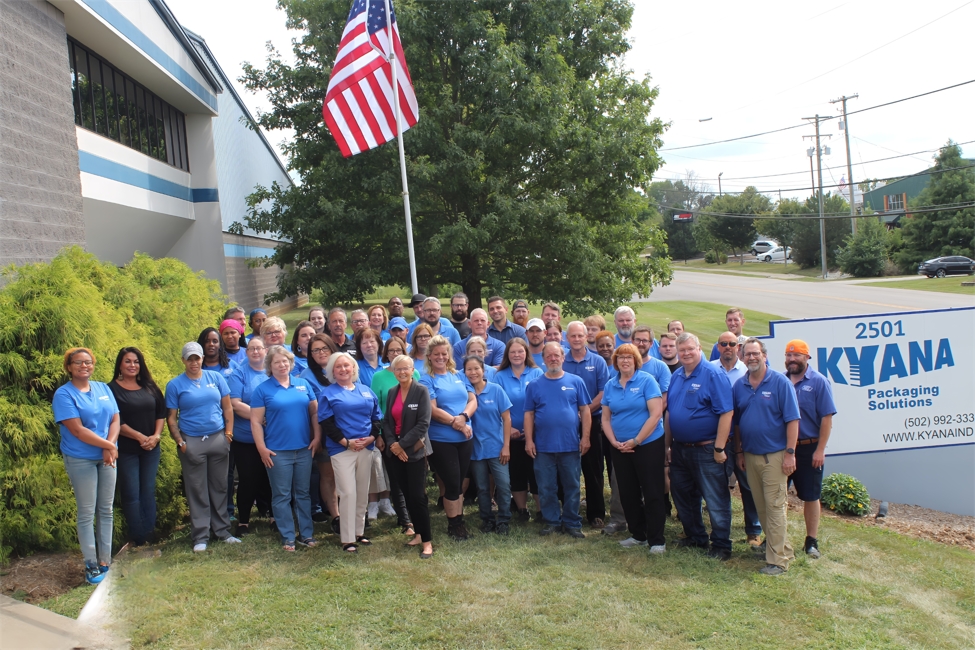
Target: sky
<point>750,67</point>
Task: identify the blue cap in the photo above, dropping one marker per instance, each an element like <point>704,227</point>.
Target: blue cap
<point>397,323</point>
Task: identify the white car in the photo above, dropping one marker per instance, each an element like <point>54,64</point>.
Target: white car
<point>777,254</point>
<point>763,246</point>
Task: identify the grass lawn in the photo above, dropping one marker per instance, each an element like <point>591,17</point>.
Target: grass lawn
<point>733,267</point>
<point>871,589</point>
<point>951,284</point>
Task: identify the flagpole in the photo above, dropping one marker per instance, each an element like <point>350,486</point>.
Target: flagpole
<point>402,152</point>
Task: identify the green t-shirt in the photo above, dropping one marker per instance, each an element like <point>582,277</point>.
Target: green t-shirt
<point>383,381</point>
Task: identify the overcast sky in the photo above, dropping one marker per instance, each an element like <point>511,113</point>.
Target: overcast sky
<point>750,67</point>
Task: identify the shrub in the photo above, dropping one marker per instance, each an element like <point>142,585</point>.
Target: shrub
<point>846,495</point>
<point>77,300</point>
<point>714,257</point>
<point>864,255</point>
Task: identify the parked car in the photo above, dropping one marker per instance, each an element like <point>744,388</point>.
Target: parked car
<point>950,265</point>
<point>777,254</point>
<point>763,246</point>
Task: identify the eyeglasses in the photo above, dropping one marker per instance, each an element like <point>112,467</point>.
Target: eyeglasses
<point>431,311</point>
<point>83,363</point>
<point>359,321</point>
<point>641,340</point>
<point>423,336</point>
<point>458,305</point>
<point>318,350</point>
<point>624,357</point>
<point>752,354</point>
<point>728,344</point>
<point>273,332</point>
<point>255,348</point>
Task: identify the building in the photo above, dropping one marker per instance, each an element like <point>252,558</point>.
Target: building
<point>120,132</point>
<point>891,201</point>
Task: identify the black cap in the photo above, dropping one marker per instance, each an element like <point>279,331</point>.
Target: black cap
<point>418,298</point>
<point>519,303</point>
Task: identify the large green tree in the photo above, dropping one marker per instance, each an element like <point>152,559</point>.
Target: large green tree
<point>673,197</point>
<point>523,168</point>
<point>736,232</point>
<point>804,233</point>
<point>941,232</point>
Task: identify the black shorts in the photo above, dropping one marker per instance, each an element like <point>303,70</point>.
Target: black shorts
<point>450,460</point>
<point>808,481</point>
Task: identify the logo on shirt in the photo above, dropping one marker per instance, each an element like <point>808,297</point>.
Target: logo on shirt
<point>568,388</point>
<point>489,401</point>
<point>412,407</point>
<point>103,398</point>
<point>767,394</point>
<point>694,388</point>
<point>301,388</point>
<point>808,389</point>
<point>590,368</point>
<point>635,390</point>
<point>211,385</point>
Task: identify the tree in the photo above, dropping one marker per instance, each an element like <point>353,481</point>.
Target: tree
<point>782,230</point>
<point>864,255</point>
<point>672,198</point>
<point>941,232</point>
<point>523,168</point>
<point>806,251</point>
<point>735,232</point>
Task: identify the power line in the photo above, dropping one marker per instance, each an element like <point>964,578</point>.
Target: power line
<point>829,215</point>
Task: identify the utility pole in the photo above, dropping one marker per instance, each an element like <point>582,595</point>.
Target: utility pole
<point>822,220</point>
<point>719,183</point>
<point>849,164</point>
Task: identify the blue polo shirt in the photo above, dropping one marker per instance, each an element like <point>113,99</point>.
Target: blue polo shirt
<point>592,370</point>
<point>514,388</point>
<point>495,352</point>
<point>242,384</point>
<point>198,402</point>
<point>310,377</point>
<point>367,372</point>
<point>733,375</point>
<point>446,330</point>
<point>226,372</point>
<point>510,331</point>
<point>761,414</point>
<point>450,390</point>
<point>628,406</point>
<point>354,411</point>
<point>239,357</point>
<point>287,422</point>
<point>487,423</point>
<point>815,399</point>
<point>696,403</point>
<point>556,404</point>
<point>301,364</point>
<point>659,371</point>
<point>95,409</point>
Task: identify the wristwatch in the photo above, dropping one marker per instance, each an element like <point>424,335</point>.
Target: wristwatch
<point>719,450</point>
<point>181,443</point>
<point>467,418</point>
<point>790,451</point>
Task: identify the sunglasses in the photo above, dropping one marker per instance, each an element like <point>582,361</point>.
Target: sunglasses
<point>728,344</point>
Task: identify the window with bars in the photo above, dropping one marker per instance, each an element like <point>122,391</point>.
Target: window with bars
<point>111,103</point>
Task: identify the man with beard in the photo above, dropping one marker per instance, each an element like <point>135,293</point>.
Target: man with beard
<point>536,340</point>
<point>816,407</point>
<point>458,315</point>
<point>766,430</point>
<point>643,340</point>
<point>395,307</point>
<point>519,313</point>
<point>625,320</point>
<point>668,351</point>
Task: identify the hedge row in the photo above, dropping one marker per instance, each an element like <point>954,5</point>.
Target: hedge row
<point>77,300</point>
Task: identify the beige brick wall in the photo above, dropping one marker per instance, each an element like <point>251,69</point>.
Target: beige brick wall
<point>40,184</point>
<point>248,285</point>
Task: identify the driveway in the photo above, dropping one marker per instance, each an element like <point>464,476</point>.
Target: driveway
<point>794,299</point>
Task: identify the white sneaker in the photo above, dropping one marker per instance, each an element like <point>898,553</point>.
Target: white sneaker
<point>658,550</point>
<point>630,542</point>
<point>199,548</point>
<point>386,508</point>
<point>373,511</point>
<point>230,539</point>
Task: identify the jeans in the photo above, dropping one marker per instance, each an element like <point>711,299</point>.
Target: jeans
<point>552,470</point>
<point>137,489</point>
<point>694,475</point>
<point>502,483</point>
<point>290,478</point>
<point>752,524</point>
<point>94,492</point>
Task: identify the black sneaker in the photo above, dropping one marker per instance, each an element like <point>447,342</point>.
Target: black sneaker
<point>722,554</point>
<point>523,515</point>
<point>502,528</point>
<point>548,529</point>
<point>574,532</point>
<point>319,516</point>
<point>487,527</point>
<point>812,548</point>
<point>459,533</point>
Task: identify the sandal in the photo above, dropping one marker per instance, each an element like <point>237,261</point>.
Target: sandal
<point>362,539</point>
<point>350,548</point>
<point>408,530</point>
<point>289,546</point>
<point>308,541</point>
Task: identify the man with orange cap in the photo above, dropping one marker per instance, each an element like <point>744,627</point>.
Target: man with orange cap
<point>817,409</point>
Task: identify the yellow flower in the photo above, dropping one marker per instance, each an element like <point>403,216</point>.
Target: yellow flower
<point>860,505</point>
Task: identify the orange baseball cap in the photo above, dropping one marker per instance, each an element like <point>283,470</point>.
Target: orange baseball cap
<point>797,346</point>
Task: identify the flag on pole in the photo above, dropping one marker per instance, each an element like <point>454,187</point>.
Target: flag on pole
<point>358,106</point>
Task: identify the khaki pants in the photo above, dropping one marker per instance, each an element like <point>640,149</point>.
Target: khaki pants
<point>353,469</point>
<point>771,493</point>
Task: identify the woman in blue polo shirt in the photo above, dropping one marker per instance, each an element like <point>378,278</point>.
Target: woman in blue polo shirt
<point>633,425</point>
<point>300,341</point>
<point>284,411</point>
<point>88,420</point>
<point>476,346</point>
<point>453,403</point>
<point>491,423</point>
<point>516,371</point>
<point>252,481</point>
<point>349,415</point>
<point>201,422</point>
<point>214,355</point>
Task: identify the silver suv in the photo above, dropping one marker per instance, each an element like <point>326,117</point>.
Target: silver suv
<point>763,246</point>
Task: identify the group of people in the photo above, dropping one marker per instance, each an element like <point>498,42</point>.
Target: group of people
<point>497,407</point>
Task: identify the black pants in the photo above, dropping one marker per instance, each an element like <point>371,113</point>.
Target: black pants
<point>412,479</point>
<point>592,471</point>
<point>521,468</point>
<point>450,460</point>
<point>397,491</point>
<point>252,482</point>
<point>641,475</point>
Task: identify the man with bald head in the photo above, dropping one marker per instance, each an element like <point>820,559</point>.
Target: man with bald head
<point>479,323</point>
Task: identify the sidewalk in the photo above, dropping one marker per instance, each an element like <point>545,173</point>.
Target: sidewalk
<point>24,626</point>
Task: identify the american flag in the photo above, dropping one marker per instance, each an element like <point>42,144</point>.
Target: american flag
<point>358,106</point>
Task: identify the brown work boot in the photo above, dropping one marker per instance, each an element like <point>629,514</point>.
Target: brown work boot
<point>755,540</point>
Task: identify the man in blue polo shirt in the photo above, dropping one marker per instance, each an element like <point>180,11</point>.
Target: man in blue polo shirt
<point>816,407</point>
<point>441,326</point>
<point>697,424</point>
<point>653,366</point>
<point>591,368</point>
<point>556,408</point>
<point>478,326</point>
<point>625,320</point>
<point>766,430</point>
<point>501,328</point>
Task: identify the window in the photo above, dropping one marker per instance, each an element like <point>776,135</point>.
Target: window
<point>112,104</point>
<point>895,202</point>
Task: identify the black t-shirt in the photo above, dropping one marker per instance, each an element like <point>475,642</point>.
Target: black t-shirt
<point>139,409</point>
<point>463,329</point>
<point>673,368</point>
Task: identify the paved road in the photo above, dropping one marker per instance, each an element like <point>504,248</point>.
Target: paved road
<point>795,299</point>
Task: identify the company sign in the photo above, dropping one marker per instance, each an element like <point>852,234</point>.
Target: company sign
<point>900,381</point>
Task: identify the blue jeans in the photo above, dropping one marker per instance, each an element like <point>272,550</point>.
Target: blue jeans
<point>94,492</point>
<point>289,479</point>
<point>137,488</point>
<point>551,470</point>
<point>694,475</point>
<point>752,524</point>
<point>493,467</point>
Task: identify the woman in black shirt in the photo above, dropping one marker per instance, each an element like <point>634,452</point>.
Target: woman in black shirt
<point>142,411</point>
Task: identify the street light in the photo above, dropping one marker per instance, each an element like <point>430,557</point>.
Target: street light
<point>719,183</point>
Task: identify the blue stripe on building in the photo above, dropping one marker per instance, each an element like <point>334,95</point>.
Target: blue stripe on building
<point>98,166</point>
<point>240,250</point>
